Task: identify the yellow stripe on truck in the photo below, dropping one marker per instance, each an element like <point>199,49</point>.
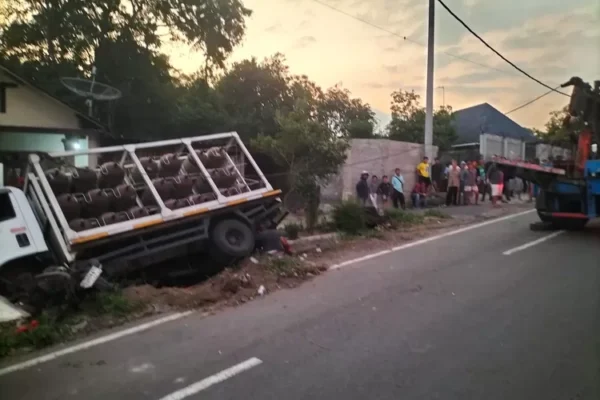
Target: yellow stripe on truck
<point>272,193</point>
<point>89,238</point>
<point>148,223</point>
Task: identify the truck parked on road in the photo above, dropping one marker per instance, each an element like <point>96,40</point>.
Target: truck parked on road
<point>74,228</point>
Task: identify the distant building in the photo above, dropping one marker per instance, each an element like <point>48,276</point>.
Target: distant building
<point>31,120</point>
<point>477,124</point>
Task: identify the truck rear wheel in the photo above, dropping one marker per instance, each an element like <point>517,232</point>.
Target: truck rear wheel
<point>233,238</point>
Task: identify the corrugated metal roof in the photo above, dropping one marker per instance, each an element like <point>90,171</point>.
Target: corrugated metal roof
<point>471,122</point>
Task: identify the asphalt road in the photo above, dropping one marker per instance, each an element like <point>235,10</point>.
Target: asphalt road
<point>453,318</point>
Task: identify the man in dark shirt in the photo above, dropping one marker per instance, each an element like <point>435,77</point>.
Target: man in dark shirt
<point>362,188</point>
<point>437,174</point>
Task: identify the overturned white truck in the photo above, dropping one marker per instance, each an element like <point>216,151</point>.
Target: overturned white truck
<point>73,228</point>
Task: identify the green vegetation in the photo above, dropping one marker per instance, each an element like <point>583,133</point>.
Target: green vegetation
<point>350,217</point>
<point>403,218</point>
<point>55,326</point>
<point>292,230</point>
<point>435,213</point>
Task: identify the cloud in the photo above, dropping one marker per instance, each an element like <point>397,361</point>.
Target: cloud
<point>304,42</point>
<point>277,27</point>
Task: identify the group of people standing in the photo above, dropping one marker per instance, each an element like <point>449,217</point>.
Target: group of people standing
<point>463,184</point>
<point>381,192</point>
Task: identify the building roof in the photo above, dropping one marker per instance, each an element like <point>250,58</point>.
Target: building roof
<point>473,121</point>
<point>91,122</point>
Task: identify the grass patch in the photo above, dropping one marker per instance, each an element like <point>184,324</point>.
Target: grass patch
<point>435,213</point>
<point>292,231</point>
<point>401,217</point>
<point>56,325</point>
<point>284,266</point>
<point>349,217</point>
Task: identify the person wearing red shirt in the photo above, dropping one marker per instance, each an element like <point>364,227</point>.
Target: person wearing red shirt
<point>419,195</point>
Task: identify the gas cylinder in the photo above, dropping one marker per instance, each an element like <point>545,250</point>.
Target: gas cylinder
<point>83,180</point>
<point>81,224</point>
<point>69,205</point>
<point>150,166</point>
<point>189,165</point>
<point>98,203</point>
<point>125,197</point>
<point>183,188</point>
<point>58,180</point>
<point>223,178</point>
<point>112,217</point>
<point>169,165</point>
<point>213,157</point>
<point>111,175</point>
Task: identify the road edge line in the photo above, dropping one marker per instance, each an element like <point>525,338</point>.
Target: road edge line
<point>532,243</point>
<point>92,343</point>
<point>426,240</point>
<point>212,380</point>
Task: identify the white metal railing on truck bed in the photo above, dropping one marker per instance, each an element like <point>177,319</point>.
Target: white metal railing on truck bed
<point>143,179</point>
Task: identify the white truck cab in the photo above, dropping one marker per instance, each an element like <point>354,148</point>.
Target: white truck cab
<point>20,232</point>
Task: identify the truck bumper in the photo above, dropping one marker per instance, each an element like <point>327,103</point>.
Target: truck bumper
<point>10,312</point>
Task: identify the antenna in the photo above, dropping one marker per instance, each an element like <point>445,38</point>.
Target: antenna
<point>91,90</point>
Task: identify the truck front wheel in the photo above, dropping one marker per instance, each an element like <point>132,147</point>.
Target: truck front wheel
<point>233,238</point>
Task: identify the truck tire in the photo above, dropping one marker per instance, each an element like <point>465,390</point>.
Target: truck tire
<point>233,238</point>
<point>540,206</point>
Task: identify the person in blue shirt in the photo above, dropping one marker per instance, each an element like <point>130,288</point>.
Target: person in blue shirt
<point>398,190</point>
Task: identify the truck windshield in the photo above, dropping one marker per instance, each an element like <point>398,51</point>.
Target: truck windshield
<point>6,208</point>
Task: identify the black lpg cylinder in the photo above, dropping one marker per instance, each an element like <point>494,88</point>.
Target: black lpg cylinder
<point>111,175</point>
<point>223,178</point>
<point>174,204</point>
<point>189,165</point>
<point>169,165</point>
<point>81,224</point>
<point>69,205</point>
<point>112,217</point>
<point>213,157</point>
<point>58,180</point>
<point>201,185</point>
<point>138,212</point>
<point>83,180</point>
<point>149,165</point>
<point>99,202</point>
<point>165,189</point>
<point>125,196</point>
<point>183,188</point>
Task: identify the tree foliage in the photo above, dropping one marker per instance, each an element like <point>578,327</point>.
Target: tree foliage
<point>309,151</point>
<point>408,121</point>
<point>556,132</point>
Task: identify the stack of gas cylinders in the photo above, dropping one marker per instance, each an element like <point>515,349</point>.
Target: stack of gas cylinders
<point>112,193</point>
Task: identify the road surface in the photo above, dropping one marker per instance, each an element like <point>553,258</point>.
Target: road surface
<point>496,312</point>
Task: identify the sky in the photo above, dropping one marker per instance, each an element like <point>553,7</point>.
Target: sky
<point>550,39</point>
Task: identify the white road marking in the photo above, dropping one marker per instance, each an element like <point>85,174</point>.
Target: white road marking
<point>213,379</point>
<point>532,243</point>
<point>427,240</point>
<point>95,342</point>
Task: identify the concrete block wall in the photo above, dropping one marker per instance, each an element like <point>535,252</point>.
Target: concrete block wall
<point>377,156</point>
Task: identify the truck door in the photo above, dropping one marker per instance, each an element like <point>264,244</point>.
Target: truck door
<point>18,238</point>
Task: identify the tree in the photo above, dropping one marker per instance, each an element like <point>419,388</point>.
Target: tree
<point>347,116</point>
<point>54,31</point>
<point>408,121</point>
<point>308,150</point>
<point>556,132</point>
<point>252,92</point>
<point>48,39</point>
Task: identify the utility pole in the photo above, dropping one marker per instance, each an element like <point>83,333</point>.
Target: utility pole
<point>428,142</point>
<point>443,95</point>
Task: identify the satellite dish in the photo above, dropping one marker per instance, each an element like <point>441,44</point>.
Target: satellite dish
<point>91,90</point>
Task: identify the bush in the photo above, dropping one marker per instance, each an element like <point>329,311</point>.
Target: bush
<point>349,217</point>
<point>402,217</point>
<point>292,230</point>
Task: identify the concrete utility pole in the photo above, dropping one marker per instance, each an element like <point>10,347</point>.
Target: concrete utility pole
<point>429,93</point>
<point>443,95</point>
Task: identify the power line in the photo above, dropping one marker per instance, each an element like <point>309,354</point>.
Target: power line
<point>456,17</point>
<point>406,38</point>
<point>531,101</point>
